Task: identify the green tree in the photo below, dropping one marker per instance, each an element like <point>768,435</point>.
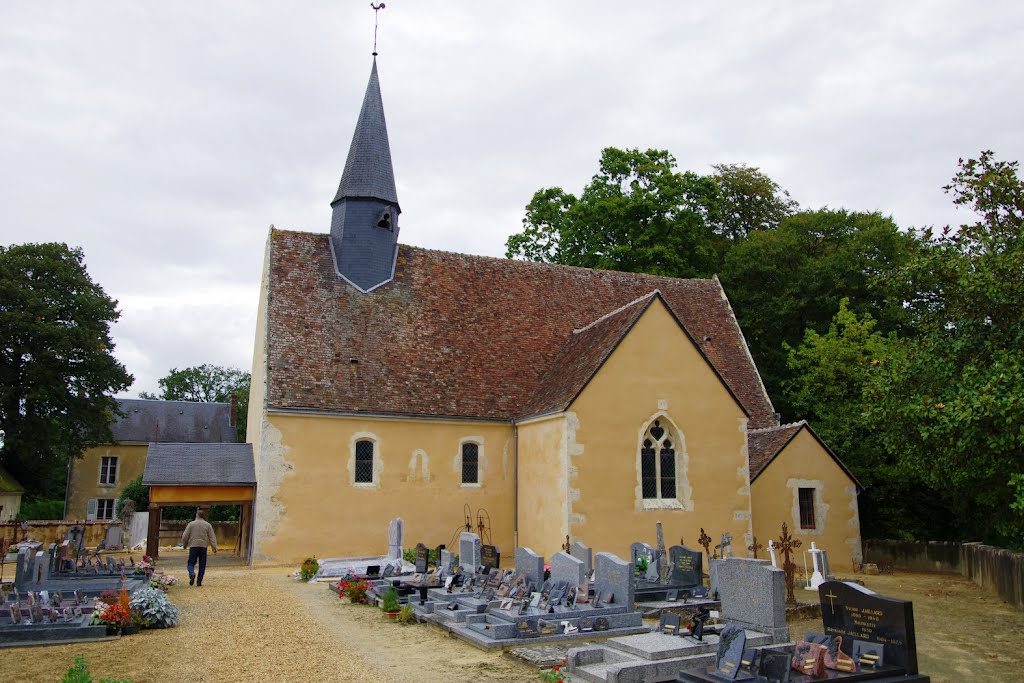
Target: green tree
<point>57,372</point>
<point>206,384</point>
<point>638,214</point>
<point>951,404</point>
<point>782,282</point>
<point>749,201</point>
<point>136,491</point>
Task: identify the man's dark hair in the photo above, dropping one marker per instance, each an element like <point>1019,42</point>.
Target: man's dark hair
<point>201,514</point>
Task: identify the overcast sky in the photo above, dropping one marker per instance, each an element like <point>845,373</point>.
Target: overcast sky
<point>165,138</point>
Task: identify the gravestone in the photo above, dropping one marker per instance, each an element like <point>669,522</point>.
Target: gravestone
<point>422,558</point>
<point>490,556</point>
<point>613,576</point>
<point>567,569</point>
<point>638,550</point>
<point>530,565</point>
<point>437,555</point>
<point>585,554</point>
<point>38,565</point>
<point>22,570</point>
<point>653,574</point>
<point>731,642</point>
<point>447,561</point>
<point>686,566</point>
<point>855,613</point>
<point>469,551</point>
<point>753,594</point>
<point>395,529</point>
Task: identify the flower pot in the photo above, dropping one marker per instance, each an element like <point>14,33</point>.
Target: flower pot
<point>130,629</point>
<point>391,616</point>
<point>113,629</point>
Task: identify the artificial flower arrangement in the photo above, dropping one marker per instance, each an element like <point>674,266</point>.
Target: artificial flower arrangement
<point>145,565</point>
<point>309,568</point>
<point>162,581</point>
<point>554,674</point>
<point>354,589</point>
<point>111,615</point>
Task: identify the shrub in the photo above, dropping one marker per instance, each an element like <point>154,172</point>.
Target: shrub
<point>79,673</point>
<point>354,589</point>
<point>41,508</point>
<point>156,610</point>
<point>389,601</point>
<point>309,568</point>
<point>406,615</point>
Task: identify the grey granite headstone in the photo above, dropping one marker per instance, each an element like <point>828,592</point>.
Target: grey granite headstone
<point>23,570</point>
<point>653,574</point>
<point>686,566</point>
<point>753,594</point>
<point>447,561</point>
<point>638,550</point>
<point>614,576</point>
<point>567,569</point>
<point>530,565</point>
<point>585,554</point>
<point>395,529</point>
<point>469,551</point>
<point>38,568</point>
<point>731,642</point>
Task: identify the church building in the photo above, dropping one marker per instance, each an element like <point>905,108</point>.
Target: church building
<point>556,402</point>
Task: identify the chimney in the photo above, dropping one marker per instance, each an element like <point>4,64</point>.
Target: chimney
<point>233,415</point>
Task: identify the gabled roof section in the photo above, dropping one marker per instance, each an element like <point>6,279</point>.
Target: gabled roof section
<point>173,421</point>
<point>764,445</point>
<point>8,484</point>
<point>191,464</point>
<point>368,171</point>
<point>465,336</point>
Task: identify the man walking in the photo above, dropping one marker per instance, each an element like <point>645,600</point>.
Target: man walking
<point>198,534</point>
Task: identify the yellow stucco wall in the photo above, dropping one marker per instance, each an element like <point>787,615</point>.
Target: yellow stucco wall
<point>805,464</point>
<point>308,504</point>
<point>83,481</point>
<point>655,373</point>
<point>543,484</point>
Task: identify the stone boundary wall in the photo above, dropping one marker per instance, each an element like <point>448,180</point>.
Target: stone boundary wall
<point>52,531</point>
<point>994,569</point>
<point>227,532</point>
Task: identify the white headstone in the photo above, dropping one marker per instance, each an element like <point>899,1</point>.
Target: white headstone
<point>817,576</point>
<point>771,551</point>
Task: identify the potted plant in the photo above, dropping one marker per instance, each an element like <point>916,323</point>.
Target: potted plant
<point>389,603</point>
<point>354,589</point>
<point>133,624</point>
<point>114,616</point>
<point>309,568</point>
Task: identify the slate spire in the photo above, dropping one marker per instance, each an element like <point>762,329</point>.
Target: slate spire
<point>364,223</point>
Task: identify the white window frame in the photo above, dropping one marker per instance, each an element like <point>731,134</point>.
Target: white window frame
<point>105,471</point>
<point>480,461</point>
<point>102,504</point>
<point>683,498</point>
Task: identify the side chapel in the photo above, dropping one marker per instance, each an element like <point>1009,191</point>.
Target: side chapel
<point>396,381</point>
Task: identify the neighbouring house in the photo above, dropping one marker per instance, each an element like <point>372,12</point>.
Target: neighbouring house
<point>10,496</point>
<point>396,381</point>
<point>95,480</point>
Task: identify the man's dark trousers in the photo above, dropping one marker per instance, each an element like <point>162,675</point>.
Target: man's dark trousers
<point>193,555</point>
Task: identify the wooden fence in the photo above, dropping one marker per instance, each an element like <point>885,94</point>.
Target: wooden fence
<point>995,569</point>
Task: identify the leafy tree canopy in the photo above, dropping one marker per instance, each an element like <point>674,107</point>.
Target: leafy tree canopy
<point>57,372</point>
<point>638,214</point>
<point>951,403</point>
<point>748,201</point>
<point>206,384</point>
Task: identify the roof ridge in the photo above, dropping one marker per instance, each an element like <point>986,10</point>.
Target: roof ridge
<point>798,423</point>
<point>620,309</point>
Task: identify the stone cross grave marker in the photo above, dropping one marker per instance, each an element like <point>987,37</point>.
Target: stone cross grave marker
<point>613,577</point>
<point>469,551</point>
<point>585,555</point>
<point>787,544</point>
<point>859,615</point>
<point>530,565</point>
<point>725,546</point>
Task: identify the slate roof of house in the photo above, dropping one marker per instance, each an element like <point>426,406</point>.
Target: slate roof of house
<point>173,421</point>
<point>8,484</point>
<point>192,464</point>
<point>763,445</point>
<point>470,336</point>
<point>368,170</point>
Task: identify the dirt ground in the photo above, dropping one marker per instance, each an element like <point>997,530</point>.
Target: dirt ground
<point>262,625</point>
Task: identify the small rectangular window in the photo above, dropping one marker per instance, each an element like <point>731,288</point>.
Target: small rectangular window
<point>364,462</point>
<point>807,509</point>
<point>104,508</point>
<point>108,470</point>
<point>470,463</point>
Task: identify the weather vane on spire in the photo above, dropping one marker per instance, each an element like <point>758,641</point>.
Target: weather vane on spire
<point>376,9</point>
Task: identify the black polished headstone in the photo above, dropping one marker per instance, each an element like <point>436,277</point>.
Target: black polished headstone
<point>687,566</point>
<point>731,643</point>
<point>854,612</point>
<point>422,558</point>
<point>489,556</point>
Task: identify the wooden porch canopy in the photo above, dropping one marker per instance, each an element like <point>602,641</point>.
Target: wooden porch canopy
<point>200,474</point>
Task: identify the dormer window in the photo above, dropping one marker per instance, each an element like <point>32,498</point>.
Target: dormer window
<point>385,220</point>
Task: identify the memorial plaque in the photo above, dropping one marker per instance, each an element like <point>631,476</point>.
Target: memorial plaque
<point>422,558</point>
<point>731,642</point>
<point>687,566</point>
<point>855,613</point>
<point>489,556</point>
<point>809,659</point>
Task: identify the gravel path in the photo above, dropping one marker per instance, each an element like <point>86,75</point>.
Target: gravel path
<point>262,625</point>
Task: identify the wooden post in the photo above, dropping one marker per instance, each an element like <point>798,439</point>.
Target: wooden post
<point>153,533</point>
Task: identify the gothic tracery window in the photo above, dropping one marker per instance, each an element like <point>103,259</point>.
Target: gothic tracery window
<point>658,463</point>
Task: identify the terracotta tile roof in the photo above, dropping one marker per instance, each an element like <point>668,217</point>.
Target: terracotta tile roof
<point>764,444</point>
<point>469,336</point>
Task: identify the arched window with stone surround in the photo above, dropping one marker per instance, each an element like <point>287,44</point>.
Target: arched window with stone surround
<point>658,462</point>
